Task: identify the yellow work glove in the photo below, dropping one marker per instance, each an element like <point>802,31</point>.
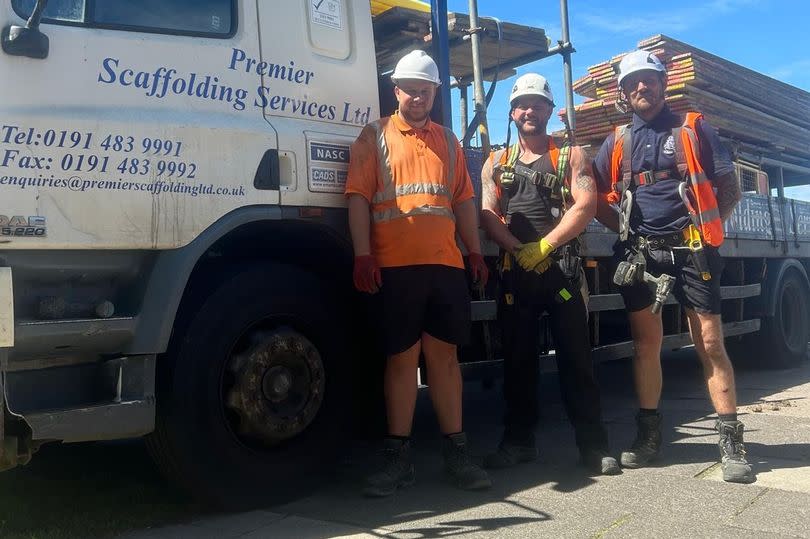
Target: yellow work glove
<point>531,254</point>
<point>544,265</point>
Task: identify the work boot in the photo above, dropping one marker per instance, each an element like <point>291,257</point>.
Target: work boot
<point>598,461</point>
<point>647,444</point>
<point>511,453</point>
<point>464,473</point>
<point>397,470</point>
<point>732,453</point>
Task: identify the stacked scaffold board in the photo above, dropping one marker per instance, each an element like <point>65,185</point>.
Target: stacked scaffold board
<point>756,111</point>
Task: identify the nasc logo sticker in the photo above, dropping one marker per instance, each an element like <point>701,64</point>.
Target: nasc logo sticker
<point>328,166</point>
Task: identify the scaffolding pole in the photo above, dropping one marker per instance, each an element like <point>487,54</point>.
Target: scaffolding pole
<point>441,54</point>
<point>565,50</point>
<point>478,79</point>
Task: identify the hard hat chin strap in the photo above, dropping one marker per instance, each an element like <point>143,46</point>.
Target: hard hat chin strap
<point>509,130</point>
<point>621,103</point>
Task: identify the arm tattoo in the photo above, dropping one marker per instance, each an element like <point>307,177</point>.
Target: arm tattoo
<point>728,194</point>
<point>585,183</point>
<point>489,193</point>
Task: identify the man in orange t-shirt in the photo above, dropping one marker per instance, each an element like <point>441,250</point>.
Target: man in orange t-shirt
<point>409,193</point>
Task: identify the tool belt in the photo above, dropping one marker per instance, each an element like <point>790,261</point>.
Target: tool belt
<point>654,243</point>
<point>688,239</point>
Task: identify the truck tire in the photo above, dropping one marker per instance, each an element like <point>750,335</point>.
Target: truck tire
<point>250,396</point>
<point>783,337</point>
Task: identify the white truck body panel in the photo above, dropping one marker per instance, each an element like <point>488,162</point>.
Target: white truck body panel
<point>115,142</point>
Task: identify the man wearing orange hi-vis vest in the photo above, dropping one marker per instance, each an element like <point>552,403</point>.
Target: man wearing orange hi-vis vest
<point>409,193</point>
<point>667,185</point>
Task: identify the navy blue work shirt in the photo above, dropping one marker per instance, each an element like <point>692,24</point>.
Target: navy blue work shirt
<point>658,208</point>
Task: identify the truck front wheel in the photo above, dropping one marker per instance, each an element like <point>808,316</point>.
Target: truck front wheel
<point>784,336</point>
<point>249,396</point>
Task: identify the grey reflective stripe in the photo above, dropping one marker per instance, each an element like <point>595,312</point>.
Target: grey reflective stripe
<point>709,215</point>
<point>390,191</point>
<point>395,213</point>
<point>693,141</point>
<point>413,189</point>
<point>423,189</point>
<point>699,178</point>
<point>386,175</point>
<point>451,155</point>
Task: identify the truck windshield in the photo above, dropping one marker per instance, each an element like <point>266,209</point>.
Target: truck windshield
<point>198,17</point>
<point>57,10</point>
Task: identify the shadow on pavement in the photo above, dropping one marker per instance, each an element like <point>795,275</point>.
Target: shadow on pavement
<point>94,490</point>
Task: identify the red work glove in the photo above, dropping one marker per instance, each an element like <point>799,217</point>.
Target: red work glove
<point>479,269</point>
<point>367,277</point>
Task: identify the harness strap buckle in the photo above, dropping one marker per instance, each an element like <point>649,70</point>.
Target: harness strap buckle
<point>649,177</point>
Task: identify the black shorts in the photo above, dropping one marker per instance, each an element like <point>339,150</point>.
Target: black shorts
<point>433,299</point>
<point>690,289</point>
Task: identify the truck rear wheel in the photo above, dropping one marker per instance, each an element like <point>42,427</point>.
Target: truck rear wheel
<point>783,338</point>
<point>249,400</point>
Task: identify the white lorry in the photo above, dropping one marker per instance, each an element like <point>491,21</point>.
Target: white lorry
<point>174,258</point>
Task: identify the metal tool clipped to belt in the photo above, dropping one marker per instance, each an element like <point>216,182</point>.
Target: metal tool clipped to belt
<point>692,238</point>
<point>625,208</point>
<point>570,262</point>
<point>629,272</point>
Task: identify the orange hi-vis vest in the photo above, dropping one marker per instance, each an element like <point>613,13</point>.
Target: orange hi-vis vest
<point>412,196</point>
<point>687,151</point>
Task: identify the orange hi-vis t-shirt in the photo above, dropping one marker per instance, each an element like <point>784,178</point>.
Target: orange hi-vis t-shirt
<point>412,184</point>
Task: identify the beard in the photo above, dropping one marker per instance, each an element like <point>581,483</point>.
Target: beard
<point>537,127</point>
<point>416,116</point>
<point>648,101</point>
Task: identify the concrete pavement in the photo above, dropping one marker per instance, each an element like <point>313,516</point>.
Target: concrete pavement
<point>682,496</point>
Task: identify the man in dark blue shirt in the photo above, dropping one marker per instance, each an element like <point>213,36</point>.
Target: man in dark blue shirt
<point>658,224</point>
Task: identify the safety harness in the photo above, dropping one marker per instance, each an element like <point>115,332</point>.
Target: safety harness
<point>696,189</point>
<point>553,185</point>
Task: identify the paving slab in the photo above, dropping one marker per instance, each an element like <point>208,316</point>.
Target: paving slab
<point>777,512</point>
<point>216,526</point>
<point>306,528</point>
<point>682,495</point>
<point>774,473</point>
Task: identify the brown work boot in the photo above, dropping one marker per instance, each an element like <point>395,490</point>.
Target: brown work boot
<point>732,453</point>
<point>458,465</point>
<point>647,444</point>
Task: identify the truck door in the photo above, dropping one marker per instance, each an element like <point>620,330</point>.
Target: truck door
<point>136,131</point>
<point>318,88</point>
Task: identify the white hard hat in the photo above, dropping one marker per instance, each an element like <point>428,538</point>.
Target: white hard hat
<point>416,65</point>
<point>531,84</point>
<point>639,61</point>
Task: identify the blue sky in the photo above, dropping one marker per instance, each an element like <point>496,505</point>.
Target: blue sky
<point>769,36</point>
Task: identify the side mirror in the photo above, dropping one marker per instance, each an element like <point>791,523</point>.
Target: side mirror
<point>27,40</point>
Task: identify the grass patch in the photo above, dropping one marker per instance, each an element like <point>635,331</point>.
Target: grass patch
<point>90,490</point>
